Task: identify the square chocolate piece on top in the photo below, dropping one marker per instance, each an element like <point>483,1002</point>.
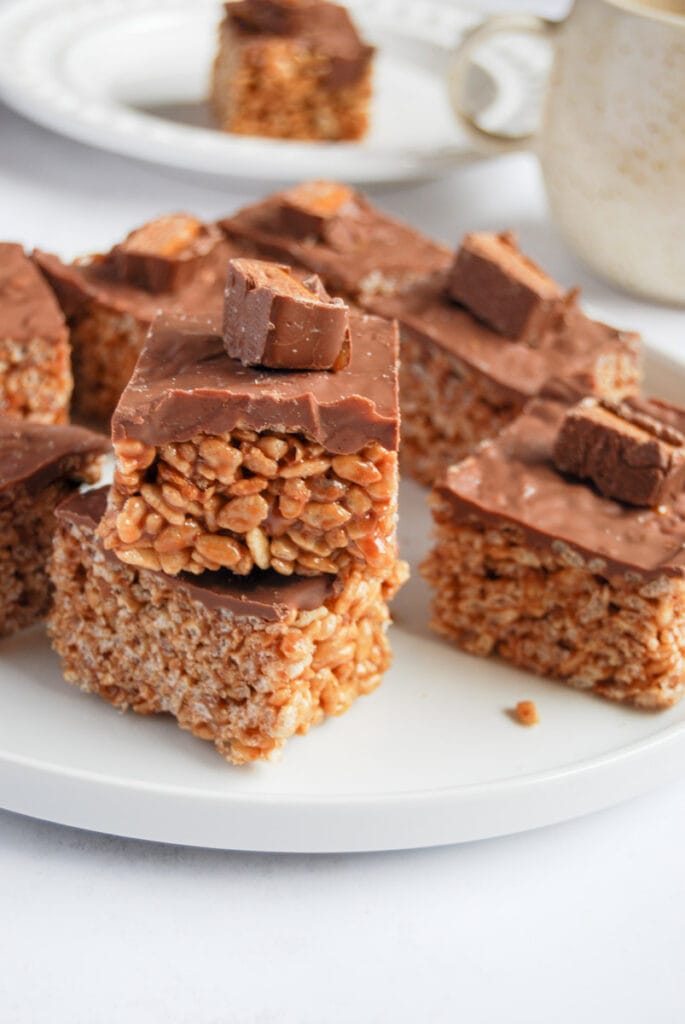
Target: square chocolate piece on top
<point>35,365</point>
<point>40,465</point>
<point>172,264</point>
<point>462,381</point>
<point>291,69</point>
<point>225,465</point>
<point>539,567</point>
<point>244,662</point>
<point>334,231</point>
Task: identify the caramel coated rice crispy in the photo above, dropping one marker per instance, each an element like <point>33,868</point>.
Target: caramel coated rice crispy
<point>27,526</point>
<point>552,613</point>
<point>243,683</point>
<point>245,500</point>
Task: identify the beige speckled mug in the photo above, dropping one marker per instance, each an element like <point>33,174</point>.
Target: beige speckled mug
<point>612,139</point>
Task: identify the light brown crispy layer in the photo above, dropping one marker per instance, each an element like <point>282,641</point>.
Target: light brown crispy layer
<point>620,636</point>
<point>244,500</point>
<point>35,377</point>
<point>248,690</point>
<point>276,87</point>
<point>27,526</point>
<point>106,345</point>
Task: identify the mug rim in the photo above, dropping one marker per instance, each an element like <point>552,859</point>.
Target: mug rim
<point>650,13</point>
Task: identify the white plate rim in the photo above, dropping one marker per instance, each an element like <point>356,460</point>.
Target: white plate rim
<point>146,137</point>
<point>345,822</point>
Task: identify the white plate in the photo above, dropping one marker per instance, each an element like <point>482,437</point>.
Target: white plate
<point>132,76</point>
<point>431,757</point>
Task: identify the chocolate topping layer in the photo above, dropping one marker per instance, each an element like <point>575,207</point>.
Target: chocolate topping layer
<point>165,254</point>
<point>573,349</point>
<point>185,384</point>
<point>27,306</point>
<point>34,454</point>
<point>502,287</point>
<point>324,28</point>
<point>262,595</point>
<point>92,280</point>
<point>627,454</point>
<point>271,319</point>
<point>337,233</point>
<point>513,480</point>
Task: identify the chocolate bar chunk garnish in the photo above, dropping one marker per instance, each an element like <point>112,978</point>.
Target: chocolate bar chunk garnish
<point>271,319</point>
<point>277,17</point>
<point>164,254</point>
<point>504,289</point>
<point>309,210</point>
<point>627,454</point>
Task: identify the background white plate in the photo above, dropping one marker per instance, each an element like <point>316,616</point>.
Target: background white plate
<point>132,76</point>
<point>431,757</point>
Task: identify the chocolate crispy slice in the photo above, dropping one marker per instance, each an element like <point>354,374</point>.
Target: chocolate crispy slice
<point>627,453</point>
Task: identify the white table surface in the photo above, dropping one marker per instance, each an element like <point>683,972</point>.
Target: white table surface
<point>581,921</point>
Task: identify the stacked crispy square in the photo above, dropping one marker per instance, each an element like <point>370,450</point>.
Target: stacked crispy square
<point>247,549</point>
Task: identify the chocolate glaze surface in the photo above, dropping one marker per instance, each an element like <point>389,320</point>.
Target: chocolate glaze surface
<point>513,480</point>
<point>34,454</point>
<point>185,384</point>
<point>27,305</point>
<point>324,28</point>
<point>262,595</point>
<point>93,280</point>
<point>573,348</point>
<point>350,243</point>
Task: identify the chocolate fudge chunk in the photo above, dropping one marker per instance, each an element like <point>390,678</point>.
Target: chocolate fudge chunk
<point>461,381</point>
<point>223,465</point>
<point>173,264</point>
<point>336,232</point>
<point>628,455</point>
<point>494,280</point>
<point>292,69</point>
<point>543,570</point>
<point>40,464</point>
<point>272,319</point>
<point>284,653</point>
<point>35,370</point>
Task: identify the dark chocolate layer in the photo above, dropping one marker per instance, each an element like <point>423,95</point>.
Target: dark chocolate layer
<point>323,28</point>
<point>27,305</point>
<point>513,480</point>
<point>186,384</point>
<point>34,454</point>
<point>336,232</point>
<point>262,595</point>
<point>93,280</point>
<point>573,349</point>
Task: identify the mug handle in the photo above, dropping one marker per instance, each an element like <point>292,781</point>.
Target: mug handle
<point>486,141</point>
